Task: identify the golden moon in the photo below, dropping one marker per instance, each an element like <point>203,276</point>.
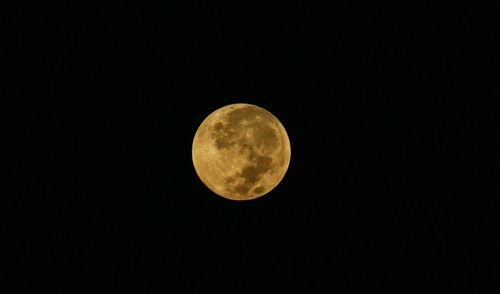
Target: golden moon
<point>241,151</point>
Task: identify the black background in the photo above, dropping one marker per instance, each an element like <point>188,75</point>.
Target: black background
<point>387,187</point>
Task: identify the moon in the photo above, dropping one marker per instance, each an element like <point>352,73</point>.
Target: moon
<point>241,151</point>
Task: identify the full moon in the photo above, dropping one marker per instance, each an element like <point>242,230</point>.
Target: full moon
<point>241,151</point>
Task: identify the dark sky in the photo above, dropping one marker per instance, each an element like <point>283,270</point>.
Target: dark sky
<point>382,106</point>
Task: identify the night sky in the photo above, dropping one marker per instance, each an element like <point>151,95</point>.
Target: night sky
<point>386,190</point>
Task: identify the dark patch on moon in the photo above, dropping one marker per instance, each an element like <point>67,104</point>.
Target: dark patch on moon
<point>218,126</point>
<point>258,190</point>
<point>263,164</point>
<point>265,135</point>
<point>223,142</point>
<point>250,174</point>
<point>253,173</point>
<point>242,189</point>
<point>244,113</point>
<point>223,134</point>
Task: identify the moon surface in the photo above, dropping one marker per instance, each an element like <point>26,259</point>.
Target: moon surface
<point>241,151</point>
